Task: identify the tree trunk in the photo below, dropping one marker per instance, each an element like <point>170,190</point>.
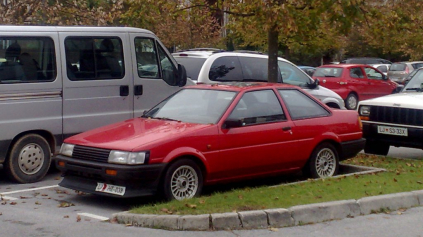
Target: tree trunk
<point>272,66</point>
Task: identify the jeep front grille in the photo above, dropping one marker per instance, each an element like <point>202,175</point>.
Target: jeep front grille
<point>396,115</point>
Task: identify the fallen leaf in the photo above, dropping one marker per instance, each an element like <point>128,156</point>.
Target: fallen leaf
<point>419,182</point>
<point>13,203</point>
<point>128,224</point>
<point>240,197</point>
<point>44,195</point>
<point>193,206</point>
<point>66,216</point>
<point>273,229</point>
<point>402,210</point>
<point>78,218</point>
<point>399,213</point>
<point>1,213</point>
<point>395,180</point>
<point>65,204</point>
<point>22,197</point>
<point>202,201</point>
<point>37,203</point>
<point>164,210</point>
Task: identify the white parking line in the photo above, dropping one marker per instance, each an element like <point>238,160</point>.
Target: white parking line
<point>101,218</point>
<point>29,190</point>
<point>6,198</point>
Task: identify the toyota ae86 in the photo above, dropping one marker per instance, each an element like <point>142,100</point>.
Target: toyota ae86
<point>209,134</point>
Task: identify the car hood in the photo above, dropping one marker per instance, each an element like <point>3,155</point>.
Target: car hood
<point>135,133</point>
<point>403,100</point>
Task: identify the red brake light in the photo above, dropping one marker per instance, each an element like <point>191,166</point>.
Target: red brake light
<point>407,70</point>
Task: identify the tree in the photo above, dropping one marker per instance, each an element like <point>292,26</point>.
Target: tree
<point>289,20</point>
<point>177,22</point>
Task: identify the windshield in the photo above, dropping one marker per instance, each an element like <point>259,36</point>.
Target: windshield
<point>193,106</point>
<point>192,65</point>
<point>416,82</point>
<point>328,72</point>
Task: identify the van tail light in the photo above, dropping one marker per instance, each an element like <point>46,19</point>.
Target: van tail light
<point>407,70</point>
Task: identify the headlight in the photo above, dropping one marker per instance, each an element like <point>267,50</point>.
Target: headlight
<point>365,110</point>
<point>128,158</point>
<point>67,149</point>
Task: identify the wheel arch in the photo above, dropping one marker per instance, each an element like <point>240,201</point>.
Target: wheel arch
<point>43,133</point>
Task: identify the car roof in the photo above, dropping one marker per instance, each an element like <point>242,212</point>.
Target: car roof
<point>344,65</point>
<point>242,86</point>
<point>207,54</point>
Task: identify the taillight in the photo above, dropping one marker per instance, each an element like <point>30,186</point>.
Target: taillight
<point>407,70</point>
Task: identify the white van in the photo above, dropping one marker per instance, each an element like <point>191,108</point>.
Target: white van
<point>204,65</point>
<point>59,81</point>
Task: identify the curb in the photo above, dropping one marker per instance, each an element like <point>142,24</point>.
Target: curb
<point>275,218</point>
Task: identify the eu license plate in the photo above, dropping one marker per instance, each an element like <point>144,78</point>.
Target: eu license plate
<point>392,131</point>
<point>109,188</point>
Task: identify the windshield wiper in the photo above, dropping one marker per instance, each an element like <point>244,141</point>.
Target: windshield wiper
<point>165,118</point>
<point>414,89</point>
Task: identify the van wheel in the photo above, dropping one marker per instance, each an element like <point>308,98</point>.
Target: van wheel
<point>351,101</point>
<point>323,162</point>
<point>183,180</point>
<point>29,159</point>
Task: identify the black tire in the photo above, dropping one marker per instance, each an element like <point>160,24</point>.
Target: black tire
<point>29,159</point>
<point>376,148</point>
<point>175,182</point>
<point>351,101</point>
<point>323,162</point>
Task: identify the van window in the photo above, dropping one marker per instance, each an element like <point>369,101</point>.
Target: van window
<point>146,55</point>
<point>254,69</point>
<point>27,59</point>
<point>92,58</point>
<point>169,72</point>
<point>226,69</point>
<point>292,75</point>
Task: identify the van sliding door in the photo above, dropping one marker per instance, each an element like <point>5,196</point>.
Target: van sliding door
<point>97,85</point>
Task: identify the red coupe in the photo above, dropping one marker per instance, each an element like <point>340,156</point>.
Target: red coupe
<point>354,82</point>
<point>207,134</point>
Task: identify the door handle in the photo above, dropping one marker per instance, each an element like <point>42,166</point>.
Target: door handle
<point>138,90</point>
<point>124,90</point>
<point>286,128</point>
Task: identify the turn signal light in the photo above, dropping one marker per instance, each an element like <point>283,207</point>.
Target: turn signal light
<point>111,172</point>
<point>61,163</point>
<point>360,123</point>
<point>364,118</point>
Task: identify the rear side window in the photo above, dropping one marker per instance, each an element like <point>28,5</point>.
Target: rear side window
<point>254,69</point>
<point>356,72</point>
<point>328,72</point>
<point>192,65</point>
<point>93,58</point>
<point>226,69</point>
<point>382,68</point>
<point>27,60</point>
<point>301,106</point>
<point>397,67</point>
<point>292,75</point>
<point>417,65</point>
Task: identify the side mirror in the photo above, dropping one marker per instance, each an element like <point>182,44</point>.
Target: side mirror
<point>384,77</point>
<point>182,75</point>
<point>232,123</point>
<point>315,84</point>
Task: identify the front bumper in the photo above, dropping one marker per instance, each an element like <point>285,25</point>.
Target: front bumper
<point>351,148</point>
<point>413,140</point>
<point>81,175</point>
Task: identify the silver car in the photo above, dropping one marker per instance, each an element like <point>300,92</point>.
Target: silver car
<point>400,70</point>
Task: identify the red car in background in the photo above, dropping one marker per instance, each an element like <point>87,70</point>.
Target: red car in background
<point>355,82</point>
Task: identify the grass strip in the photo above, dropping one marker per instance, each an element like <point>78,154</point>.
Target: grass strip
<point>402,175</point>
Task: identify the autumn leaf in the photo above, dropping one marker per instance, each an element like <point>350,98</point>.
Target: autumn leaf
<point>193,206</point>
<point>13,203</point>
<point>202,201</point>
<point>22,197</point>
<point>37,203</point>
<point>273,229</point>
<point>395,180</point>
<point>78,218</point>
<point>65,204</point>
<point>240,197</point>
<point>66,216</point>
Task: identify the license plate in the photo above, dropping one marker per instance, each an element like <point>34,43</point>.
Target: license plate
<point>392,131</point>
<point>109,188</point>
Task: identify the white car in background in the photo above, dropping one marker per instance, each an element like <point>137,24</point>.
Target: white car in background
<point>213,66</point>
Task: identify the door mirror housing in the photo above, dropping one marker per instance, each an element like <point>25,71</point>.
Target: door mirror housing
<point>182,75</point>
<point>232,123</point>
<point>314,84</point>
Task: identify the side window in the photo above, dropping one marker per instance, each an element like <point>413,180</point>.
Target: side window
<point>168,70</point>
<point>383,68</point>
<point>146,55</point>
<point>258,107</point>
<point>300,106</point>
<point>226,69</point>
<point>356,72</point>
<point>27,59</point>
<point>292,75</point>
<point>93,58</point>
<point>254,69</point>
<point>373,74</point>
